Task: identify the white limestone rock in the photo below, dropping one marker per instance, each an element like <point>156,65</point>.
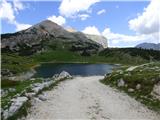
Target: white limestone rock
<point>30,95</point>
<point>42,97</point>
<point>17,103</point>
<point>121,83</point>
<point>130,90</point>
<point>64,74</point>
<point>156,91</point>
<point>138,86</point>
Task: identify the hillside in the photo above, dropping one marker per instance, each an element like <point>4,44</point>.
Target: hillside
<point>149,46</point>
<point>47,35</point>
<point>130,55</point>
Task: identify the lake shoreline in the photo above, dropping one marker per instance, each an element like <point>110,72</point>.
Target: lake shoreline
<point>76,69</point>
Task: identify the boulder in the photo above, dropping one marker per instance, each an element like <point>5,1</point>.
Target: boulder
<point>62,75</point>
<point>130,90</point>
<point>42,97</point>
<point>11,89</point>
<point>37,87</point>
<point>33,79</point>
<point>17,103</point>
<point>120,83</point>
<point>156,91</point>
<point>30,95</point>
<point>138,86</point>
<point>4,92</point>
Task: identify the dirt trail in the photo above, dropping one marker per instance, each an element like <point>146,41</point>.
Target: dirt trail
<point>87,98</point>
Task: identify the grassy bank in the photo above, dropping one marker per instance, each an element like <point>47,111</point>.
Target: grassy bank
<point>138,82</point>
<point>14,88</point>
<point>18,63</point>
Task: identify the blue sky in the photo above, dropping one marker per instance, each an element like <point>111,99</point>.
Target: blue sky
<point>115,17</point>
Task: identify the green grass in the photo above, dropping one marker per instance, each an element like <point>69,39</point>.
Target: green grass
<point>19,86</point>
<point>18,63</point>
<point>147,76</point>
<point>68,56</point>
<point>15,63</point>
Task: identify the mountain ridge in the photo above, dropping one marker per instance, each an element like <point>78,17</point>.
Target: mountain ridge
<point>47,32</point>
<point>149,46</point>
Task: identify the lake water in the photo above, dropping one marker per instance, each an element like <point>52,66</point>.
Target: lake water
<point>49,69</point>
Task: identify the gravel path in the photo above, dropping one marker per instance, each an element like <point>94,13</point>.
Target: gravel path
<point>87,98</point>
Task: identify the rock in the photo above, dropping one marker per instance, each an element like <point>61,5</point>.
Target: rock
<point>138,86</point>
<point>33,79</point>
<point>156,91</point>
<point>130,90</point>
<point>5,114</point>
<point>37,84</point>
<point>4,92</point>
<point>42,97</point>
<point>121,83</point>
<point>36,100</point>
<point>64,75</point>
<point>6,72</point>
<point>17,103</point>
<point>37,87</point>
<point>46,79</point>
<point>55,76</point>
<point>30,95</point>
<point>11,89</point>
<point>131,68</point>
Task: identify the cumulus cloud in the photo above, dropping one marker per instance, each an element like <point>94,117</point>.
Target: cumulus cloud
<point>122,40</point>
<point>101,12</point>
<point>18,5</point>
<point>70,8</point>
<point>20,26</point>
<point>83,16</point>
<point>59,20</point>
<point>147,22</point>
<point>91,30</point>
<point>7,12</point>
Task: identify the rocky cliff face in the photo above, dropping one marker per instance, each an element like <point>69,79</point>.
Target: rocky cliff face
<point>99,39</point>
<point>45,34</point>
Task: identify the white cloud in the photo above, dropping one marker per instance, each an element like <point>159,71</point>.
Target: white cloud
<point>122,40</point>
<point>18,5</point>
<point>59,20</point>
<point>20,26</point>
<point>147,22</point>
<point>83,16</point>
<point>91,30</point>
<point>101,12</point>
<point>70,8</point>
<point>6,11</point>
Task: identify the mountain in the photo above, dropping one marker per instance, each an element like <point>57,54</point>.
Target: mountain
<point>47,35</point>
<point>149,46</point>
<point>99,39</point>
